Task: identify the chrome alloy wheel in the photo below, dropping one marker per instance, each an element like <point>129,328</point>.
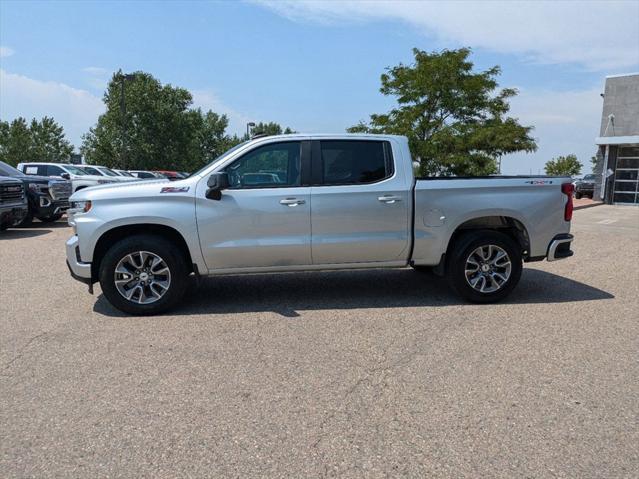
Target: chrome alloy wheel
<point>142,277</point>
<point>488,268</point>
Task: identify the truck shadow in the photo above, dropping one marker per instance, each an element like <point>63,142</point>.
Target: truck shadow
<point>288,293</point>
<point>37,228</point>
<point>21,233</point>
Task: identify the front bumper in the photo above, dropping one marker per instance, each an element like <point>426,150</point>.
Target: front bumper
<point>12,215</point>
<point>559,247</point>
<point>45,206</point>
<point>79,270</point>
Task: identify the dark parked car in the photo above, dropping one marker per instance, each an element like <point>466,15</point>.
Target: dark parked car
<point>171,175</point>
<point>585,186</point>
<point>13,203</point>
<point>48,198</point>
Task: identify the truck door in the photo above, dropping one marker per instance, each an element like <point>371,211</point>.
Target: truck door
<point>263,219</point>
<point>361,203</point>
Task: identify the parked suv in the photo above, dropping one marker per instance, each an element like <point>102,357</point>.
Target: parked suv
<point>79,179</point>
<point>585,186</point>
<point>47,198</point>
<point>13,202</point>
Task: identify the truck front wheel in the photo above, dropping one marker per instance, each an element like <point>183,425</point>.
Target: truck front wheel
<point>484,266</point>
<point>143,275</point>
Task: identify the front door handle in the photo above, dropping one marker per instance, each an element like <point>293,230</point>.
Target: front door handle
<point>389,199</point>
<point>291,202</point>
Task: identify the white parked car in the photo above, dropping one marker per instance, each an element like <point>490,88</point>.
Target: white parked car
<point>124,173</point>
<point>147,175</point>
<point>106,172</point>
<point>79,179</point>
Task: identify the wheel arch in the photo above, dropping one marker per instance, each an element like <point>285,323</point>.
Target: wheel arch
<point>510,226</point>
<point>111,236</point>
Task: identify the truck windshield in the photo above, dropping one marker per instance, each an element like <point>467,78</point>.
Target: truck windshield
<point>226,153</point>
<point>108,172</point>
<point>74,170</point>
<point>8,170</point>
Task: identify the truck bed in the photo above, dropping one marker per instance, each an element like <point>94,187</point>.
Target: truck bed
<point>443,204</point>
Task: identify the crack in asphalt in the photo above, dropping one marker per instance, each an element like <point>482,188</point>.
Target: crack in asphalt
<point>23,349</point>
<point>385,370</point>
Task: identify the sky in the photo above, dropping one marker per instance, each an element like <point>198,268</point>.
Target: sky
<point>315,65</point>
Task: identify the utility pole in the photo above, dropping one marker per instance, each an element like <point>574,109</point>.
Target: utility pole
<point>123,154</point>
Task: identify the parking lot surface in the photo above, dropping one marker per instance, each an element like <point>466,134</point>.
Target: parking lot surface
<point>337,374</point>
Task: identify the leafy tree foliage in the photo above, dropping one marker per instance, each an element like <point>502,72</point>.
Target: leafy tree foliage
<point>563,166</point>
<point>155,128</point>
<point>270,128</point>
<point>455,118</point>
<point>38,141</point>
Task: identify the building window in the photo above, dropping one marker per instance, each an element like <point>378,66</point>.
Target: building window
<point>626,189</point>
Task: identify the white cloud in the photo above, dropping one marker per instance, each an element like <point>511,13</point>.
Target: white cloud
<point>207,100</point>
<point>75,109</point>
<point>96,71</point>
<point>6,51</point>
<point>565,122</point>
<point>600,35</point>
<point>98,77</point>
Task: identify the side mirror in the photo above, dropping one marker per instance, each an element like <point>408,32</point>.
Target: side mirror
<point>216,183</point>
<point>66,176</point>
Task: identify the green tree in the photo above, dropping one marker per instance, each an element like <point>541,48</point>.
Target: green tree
<point>454,118</point>
<point>40,141</point>
<point>48,142</point>
<point>563,166</point>
<point>270,128</point>
<point>157,129</point>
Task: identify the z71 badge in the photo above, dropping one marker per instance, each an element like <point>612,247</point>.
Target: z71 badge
<point>175,189</point>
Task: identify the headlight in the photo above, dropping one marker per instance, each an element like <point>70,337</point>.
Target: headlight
<point>34,187</point>
<point>81,206</point>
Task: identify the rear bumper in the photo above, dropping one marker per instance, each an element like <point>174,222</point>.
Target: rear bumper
<point>79,270</point>
<point>559,247</point>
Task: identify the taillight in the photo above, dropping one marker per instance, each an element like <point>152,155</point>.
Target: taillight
<point>568,189</point>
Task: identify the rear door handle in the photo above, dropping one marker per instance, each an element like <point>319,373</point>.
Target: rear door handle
<point>291,202</point>
<point>390,199</point>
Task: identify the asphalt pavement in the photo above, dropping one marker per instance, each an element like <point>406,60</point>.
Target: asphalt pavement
<point>329,374</point>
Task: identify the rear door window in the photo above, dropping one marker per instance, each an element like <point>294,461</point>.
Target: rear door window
<point>353,162</point>
<point>53,170</point>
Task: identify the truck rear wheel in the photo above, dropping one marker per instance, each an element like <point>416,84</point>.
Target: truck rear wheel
<point>143,275</point>
<point>484,266</point>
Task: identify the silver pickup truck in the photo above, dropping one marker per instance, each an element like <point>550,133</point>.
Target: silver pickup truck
<point>314,202</point>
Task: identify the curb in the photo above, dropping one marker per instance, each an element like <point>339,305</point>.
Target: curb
<point>591,205</point>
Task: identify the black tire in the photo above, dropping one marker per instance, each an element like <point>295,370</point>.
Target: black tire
<point>167,251</point>
<point>50,219</point>
<point>578,196</point>
<point>461,251</point>
<point>27,220</point>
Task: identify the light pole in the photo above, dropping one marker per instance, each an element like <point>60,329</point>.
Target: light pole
<point>248,130</point>
<point>123,80</point>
